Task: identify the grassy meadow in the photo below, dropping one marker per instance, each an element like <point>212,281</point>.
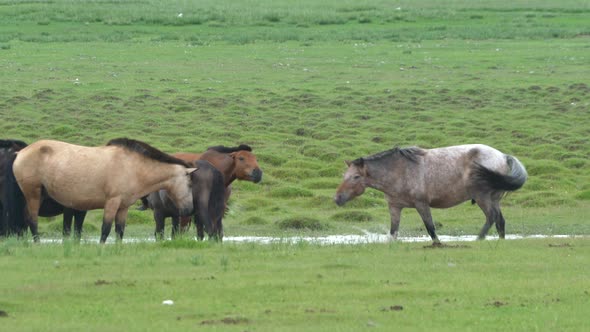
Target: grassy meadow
<point>308,85</point>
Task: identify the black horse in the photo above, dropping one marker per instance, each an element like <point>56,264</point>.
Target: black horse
<point>208,203</point>
<point>13,219</point>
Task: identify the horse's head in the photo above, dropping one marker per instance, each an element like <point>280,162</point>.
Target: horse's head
<point>353,184</point>
<point>246,166</point>
<point>181,192</point>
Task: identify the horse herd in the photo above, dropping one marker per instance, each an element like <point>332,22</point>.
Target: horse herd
<point>50,177</point>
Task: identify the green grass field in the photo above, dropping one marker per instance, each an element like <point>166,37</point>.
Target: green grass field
<point>308,85</point>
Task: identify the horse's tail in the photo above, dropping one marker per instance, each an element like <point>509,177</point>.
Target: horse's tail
<point>217,201</point>
<point>496,181</point>
<point>14,201</point>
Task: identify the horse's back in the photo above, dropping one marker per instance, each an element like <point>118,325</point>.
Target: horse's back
<point>70,173</point>
<point>445,174</point>
<point>187,156</point>
<point>465,155</point>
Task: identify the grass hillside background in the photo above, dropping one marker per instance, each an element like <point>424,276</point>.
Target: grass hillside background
<point>308,85</point>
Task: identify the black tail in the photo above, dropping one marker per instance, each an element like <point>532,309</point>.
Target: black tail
<point>13,213</point>
<point>494,181</point>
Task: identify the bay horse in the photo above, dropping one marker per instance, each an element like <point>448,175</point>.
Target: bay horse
<point>110,177</point>
<point>12,214</point>
<point>208,202</point>
<point>233,162</point>
<point>439,178</point>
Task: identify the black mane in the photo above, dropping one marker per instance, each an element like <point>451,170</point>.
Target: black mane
<point>224,149</point>
<point>411,154</point>
<point>146,150</point>
<point>9,143</point>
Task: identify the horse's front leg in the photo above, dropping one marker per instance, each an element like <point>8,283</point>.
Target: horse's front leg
<point>160,223</point>
<point>110,211</point>
<point>175,226</point>
<point>79,217</point>
<point>424,211</point>
<point>67,222</point>
<point>185,223</point>
<point>120,220</point>
<point>199,227</point>
<point>395,215</point>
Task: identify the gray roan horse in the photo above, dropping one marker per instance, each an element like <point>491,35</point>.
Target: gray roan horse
<point>208,201</point>
<point>439,178</point>
<point>110,177</point>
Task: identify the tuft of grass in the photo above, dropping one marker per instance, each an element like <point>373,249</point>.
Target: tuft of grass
<point>584,195</point>
<point>255,220</point>
<point>353,216</point>
<point>291,192</point>
<point>302,223</point>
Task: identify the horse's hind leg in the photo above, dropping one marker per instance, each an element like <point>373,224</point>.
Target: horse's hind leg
<point>200,227</point>
<point>33,198</point>
<point>500,222</point>
<point>424,211</point>
<point>493,215</point>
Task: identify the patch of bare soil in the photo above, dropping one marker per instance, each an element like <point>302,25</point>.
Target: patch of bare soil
<point>322,310</point>
<point>497,304</point>
<point>560,245</point>
<point>101,282</point>
<point>227,321</point>
<point>436,245</point>
<point>393,308</point>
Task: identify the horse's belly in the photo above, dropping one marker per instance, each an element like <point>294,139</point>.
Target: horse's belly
<point>445,202</point>
<point>78,202</point>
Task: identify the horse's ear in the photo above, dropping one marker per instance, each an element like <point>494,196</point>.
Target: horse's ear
<point>348,162</point>
<point>191,170</point>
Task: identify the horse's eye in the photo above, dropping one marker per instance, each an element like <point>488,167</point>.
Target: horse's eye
<point>241,158</point>
<point>356,177</point>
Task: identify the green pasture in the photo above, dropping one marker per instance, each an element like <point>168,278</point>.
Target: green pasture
<point>308,84</point>
<point>525,285</point>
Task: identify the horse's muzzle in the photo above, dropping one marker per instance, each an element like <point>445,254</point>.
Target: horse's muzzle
<point>185,212</point>
<point>340,199</point>
<point>256,175</point>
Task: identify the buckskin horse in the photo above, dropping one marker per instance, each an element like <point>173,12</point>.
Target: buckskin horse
<point>110,177</point>
<point>439,178</point>
<point>13,219</point>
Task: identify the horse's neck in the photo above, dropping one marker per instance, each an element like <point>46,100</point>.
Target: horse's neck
<point>230,174</point>
<point>159,176</point>
<point>377,177</point>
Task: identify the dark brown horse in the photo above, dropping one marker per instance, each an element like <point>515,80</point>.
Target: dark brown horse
<point>110,177</point>
<point>12,215</point>
<point>439,178</point>
<point>233,162</point>
<point>208,202</point>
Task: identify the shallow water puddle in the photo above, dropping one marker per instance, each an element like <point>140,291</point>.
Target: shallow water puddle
<point>336,239</point>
